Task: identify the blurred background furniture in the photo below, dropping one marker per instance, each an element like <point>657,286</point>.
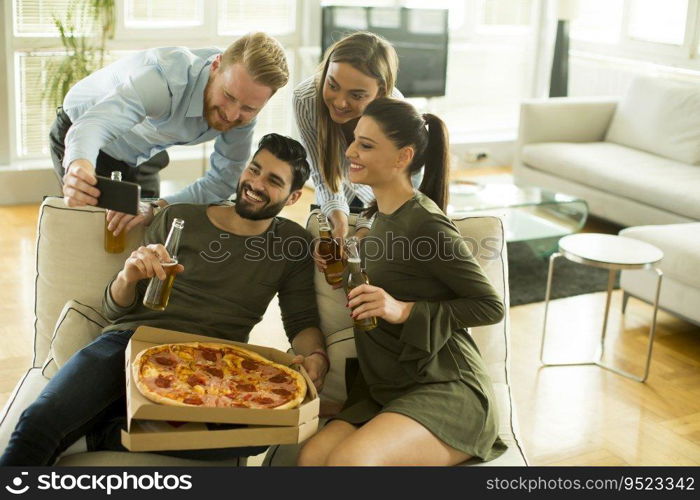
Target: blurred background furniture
<point>529,214</point>
<point>680,294</point>
<point>635,161</point>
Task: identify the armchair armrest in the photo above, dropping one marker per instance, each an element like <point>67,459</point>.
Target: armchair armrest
<point>565,119</point>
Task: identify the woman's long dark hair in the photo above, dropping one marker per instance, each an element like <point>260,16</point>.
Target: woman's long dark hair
<point>404,126</point>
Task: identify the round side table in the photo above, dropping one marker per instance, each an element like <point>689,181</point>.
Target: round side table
<point>614,253</point>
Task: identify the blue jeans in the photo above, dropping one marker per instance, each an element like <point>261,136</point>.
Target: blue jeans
<point>87,398</point>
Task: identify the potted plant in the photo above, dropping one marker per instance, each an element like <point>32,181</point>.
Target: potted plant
<point>84,31</point>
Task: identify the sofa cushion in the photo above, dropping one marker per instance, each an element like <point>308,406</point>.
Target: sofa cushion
<point>680,244</point>
<point>77,326</point>
<point>622,171</point>
<point>660,116</point>
<point>71,264</point>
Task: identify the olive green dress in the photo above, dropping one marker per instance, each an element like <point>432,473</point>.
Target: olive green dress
<point>428,368</point>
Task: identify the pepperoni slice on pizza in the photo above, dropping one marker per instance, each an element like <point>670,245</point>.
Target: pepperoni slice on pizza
<point>215,375</point>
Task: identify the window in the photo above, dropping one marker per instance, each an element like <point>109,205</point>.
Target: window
<point>598,21</point>
<point>35,18</point>
<point>661,22</point>
<point>456,16</point>
<point>651,37</point>
<point>190,25</point>
<point>163,13</point>
<point>34,118</point>
<point>489,69</point>
<point>507,12</point>
<point>276,116</point>
<point>275,17</point>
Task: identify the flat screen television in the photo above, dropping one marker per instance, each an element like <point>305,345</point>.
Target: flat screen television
<point>420,37</point>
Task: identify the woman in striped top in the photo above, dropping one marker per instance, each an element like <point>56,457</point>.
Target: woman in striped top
<point>355,70</point>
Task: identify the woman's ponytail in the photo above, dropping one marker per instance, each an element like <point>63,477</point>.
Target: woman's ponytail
<point>436,160</point>
<point>404,126</point>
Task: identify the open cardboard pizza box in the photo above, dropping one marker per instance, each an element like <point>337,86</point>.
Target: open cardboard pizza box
<point>153,427</point>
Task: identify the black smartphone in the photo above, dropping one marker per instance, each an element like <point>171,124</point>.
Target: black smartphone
<point>119,196</point>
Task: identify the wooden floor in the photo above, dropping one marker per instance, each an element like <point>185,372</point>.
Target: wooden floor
<point>567,415</point>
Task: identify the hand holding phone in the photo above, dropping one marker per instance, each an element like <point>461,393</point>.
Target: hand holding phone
<point>79,184</point>
<point>119,196</point>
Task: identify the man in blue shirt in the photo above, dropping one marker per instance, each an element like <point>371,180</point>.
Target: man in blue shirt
<point>124,117</point>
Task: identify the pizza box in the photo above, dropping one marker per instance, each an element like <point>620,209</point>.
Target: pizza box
<point>152,435</point>
<point>140,408</point>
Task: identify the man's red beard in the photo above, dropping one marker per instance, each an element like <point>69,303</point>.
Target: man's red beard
<point>212,116</point>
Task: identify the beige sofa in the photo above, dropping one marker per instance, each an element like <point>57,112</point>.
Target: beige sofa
<point>72,271</point>
<point>636,161</point>
<point>680,291</point>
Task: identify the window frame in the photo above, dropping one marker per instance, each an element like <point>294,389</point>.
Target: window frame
<point>125,39</point>
<point>684,56</point>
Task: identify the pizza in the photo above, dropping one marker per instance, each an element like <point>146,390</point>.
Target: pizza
<point>215,375</point>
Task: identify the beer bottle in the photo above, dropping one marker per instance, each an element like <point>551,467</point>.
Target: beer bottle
<point>356,277</point>
<point>114,244</point>
<point>158,291</point>
<point>330,251</point>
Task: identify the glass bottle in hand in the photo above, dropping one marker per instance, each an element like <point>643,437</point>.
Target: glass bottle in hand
<point>330,251</point>
<point>356,277</point>
<point>158,291</point>
<point>114,244</point>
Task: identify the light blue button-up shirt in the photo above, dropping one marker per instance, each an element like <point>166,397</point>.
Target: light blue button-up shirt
<point>147,102</point>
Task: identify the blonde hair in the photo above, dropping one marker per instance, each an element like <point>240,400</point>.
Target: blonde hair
<point>369,54</point>
<point>262,56</point>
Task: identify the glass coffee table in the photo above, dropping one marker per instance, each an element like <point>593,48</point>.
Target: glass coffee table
<point>530,214</point>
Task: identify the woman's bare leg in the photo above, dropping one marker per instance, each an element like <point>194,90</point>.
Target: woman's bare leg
<point>390,439</point>
<point>315,451</point>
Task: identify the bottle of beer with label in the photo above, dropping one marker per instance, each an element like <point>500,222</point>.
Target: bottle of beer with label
<point>114,244</point>
<point>330,251</point>
<point>356,277</point>
<point>158,291</point>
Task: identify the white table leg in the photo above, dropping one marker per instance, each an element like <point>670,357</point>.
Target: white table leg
<point>599,363</point>
<point>553,258</point>
<point>611,283</point>
<point>550,272</point>
<point>652,334</point>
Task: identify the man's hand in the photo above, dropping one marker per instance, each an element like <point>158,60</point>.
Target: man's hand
<point>367,301</point>
<point>315,365</point>
<point>146,262</point>
<point>119,221</point>
<point>79,184</point>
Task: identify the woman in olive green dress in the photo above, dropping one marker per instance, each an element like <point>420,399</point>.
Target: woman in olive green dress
<point>422,395</point>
